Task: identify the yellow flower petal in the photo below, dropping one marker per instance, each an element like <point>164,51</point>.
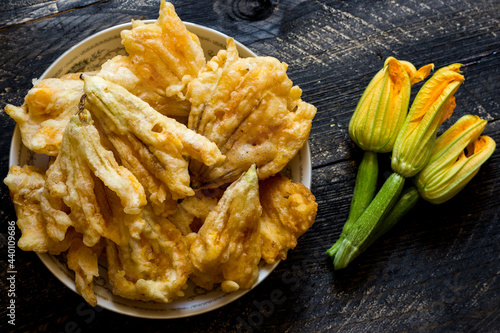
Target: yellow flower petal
<point>456,158</point>
<point>433,104</point>
<point>382,108</point>
<point>414,74</point>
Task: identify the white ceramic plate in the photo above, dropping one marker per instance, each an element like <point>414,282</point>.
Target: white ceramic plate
<point>88,55</point>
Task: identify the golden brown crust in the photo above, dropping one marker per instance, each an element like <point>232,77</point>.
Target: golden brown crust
<point>154,265</point>
<point>46,111</point>
<point>251,110</point>
<point>227,246</point>
<point>288,210</point>
<point>26,185</point>
<point>162,58</point>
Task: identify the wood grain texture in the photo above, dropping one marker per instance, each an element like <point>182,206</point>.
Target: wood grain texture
<point>436,271</point>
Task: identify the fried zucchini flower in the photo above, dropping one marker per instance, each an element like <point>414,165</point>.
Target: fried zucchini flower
<point>153,265</point>
<point>84,261</point>
<point>83,165</point>
<point>147,140</point>
<point>46,111</point>
<point>162,58</point>
<point>192,212</point>
<point>457,156</point>
<point>288,211</point>
<point>26,186</point>
<point>227,248</point>
<point>250,109</point>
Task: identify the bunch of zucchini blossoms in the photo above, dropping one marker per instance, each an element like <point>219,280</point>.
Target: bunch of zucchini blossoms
<point>438,166</point>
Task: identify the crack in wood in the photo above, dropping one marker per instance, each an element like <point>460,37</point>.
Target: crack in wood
<point>20,16</point>
<point>476,59</point>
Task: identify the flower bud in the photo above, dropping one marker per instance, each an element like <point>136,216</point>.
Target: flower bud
<point>433,104</point>
<point>382,108</point>
<point>455,160</point>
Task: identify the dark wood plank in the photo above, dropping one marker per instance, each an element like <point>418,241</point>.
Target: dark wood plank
<point>18,14</point>
<point>437,270</point>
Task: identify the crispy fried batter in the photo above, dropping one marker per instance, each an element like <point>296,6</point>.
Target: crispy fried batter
<point>83,261</point>
<point>161,142</point>
<point>228,246</point>
<point>163,57</point>
<point>55,212</point>
<point>192,212</point>
<point>72,178</point>
<point>26,185</point>
<point>288,210</point>
<point>46,111</point>
<point>136,157</point>
<point>153,266</point>
<point>250,109</point>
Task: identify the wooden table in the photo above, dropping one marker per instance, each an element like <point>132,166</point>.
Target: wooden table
<point>437,270</point>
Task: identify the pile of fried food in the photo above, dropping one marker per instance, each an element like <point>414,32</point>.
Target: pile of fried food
<point>164,165</point>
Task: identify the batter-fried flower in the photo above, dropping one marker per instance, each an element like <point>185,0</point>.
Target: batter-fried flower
<point>154,265</point>
<point>288,211</point>
<point>83,260</point>
<point>161,143</point>
<point>251,110</point>
<point>162,58</point>
<point>228,246</point>
<point>81,163</point>
<point>46,111</point>
<point>26,185</point>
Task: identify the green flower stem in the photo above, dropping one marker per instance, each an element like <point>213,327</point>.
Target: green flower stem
<point>369,221</point>
<point>364,191</point>
<point>407,200</point>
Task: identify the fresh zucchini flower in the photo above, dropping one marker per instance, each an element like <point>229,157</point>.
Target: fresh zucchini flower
<point>455,160</point>
<point>374,125</point>
<point>383,106</point>
<point>433,104</point>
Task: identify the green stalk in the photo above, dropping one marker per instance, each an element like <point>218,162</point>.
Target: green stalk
<point>364,191</point>
<point>407,200</point>
<point>369,221</point>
